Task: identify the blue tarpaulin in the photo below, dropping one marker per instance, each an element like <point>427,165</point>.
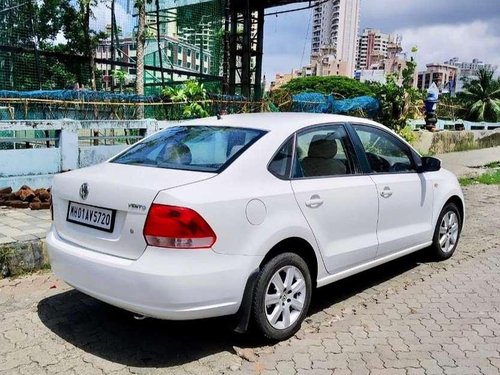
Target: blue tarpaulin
<point>319,103</point>
<point>76,95</point>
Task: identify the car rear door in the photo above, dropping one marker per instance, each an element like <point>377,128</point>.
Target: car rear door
<point>339,203</point>
<point>405,196</point>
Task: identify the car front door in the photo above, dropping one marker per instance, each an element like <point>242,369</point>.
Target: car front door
<point>405,196</point>
<point>339,203</point>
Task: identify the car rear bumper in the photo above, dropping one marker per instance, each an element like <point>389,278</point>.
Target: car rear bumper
<point>162,283</point>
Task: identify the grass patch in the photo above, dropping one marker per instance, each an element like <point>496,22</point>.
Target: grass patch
<point>494,164</point>
<point>488,178</point>
<point>466,146</point>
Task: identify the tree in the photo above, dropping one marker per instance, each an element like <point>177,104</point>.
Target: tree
<point>80,38</point>
<point>141,41</point>
<point>120,75</point>
<point>90,37</point>
<point>398,104</point>
<point>32,25</point>
<point>482,97</point>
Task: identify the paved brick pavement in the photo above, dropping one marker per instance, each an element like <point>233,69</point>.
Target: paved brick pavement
<point>23,225</point>
<point>411,316</point>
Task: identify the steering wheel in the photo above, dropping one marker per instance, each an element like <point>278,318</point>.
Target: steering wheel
<point>378,163</point>
<point>400,167</point>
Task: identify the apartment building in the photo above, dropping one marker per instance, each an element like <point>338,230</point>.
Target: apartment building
<point>334,37</point>
<point>470,69</point>
<point>443,75</point>
<point>176,54</point>
<point>373,48</point>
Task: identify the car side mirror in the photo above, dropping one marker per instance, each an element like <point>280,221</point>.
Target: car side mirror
<point>429,164</point>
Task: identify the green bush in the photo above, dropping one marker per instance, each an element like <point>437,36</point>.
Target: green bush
<point>408,134</point>
<point>339,86</point>
<point>192,95</point>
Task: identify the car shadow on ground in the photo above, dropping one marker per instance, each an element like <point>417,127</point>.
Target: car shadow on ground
<point>113,334</point>
<point>348,287</point>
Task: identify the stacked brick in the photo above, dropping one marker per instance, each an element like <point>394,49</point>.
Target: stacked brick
<point>25,197</point>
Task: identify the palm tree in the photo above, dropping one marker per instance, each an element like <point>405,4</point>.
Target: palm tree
<point>482,96</point>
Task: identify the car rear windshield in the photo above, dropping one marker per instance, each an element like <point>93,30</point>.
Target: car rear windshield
<point>195,148</point>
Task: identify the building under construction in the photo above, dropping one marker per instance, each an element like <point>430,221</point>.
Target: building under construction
<point>219,42</point>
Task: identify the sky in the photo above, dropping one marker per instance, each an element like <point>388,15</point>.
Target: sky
<point>441,29</point>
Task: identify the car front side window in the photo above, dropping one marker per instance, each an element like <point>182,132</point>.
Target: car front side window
<point>384,152</point>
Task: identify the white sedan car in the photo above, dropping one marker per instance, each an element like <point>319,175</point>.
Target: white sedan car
<point>247,214</point>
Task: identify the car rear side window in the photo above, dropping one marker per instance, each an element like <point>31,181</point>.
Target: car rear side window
<point>282,161</point>
<point>196,148</point>
<point>323,152</point>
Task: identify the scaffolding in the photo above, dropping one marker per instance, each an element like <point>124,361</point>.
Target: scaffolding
<point>218,42</point>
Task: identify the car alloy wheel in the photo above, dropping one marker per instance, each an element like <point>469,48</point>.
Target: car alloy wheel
<point>282,296</point>
<point>448,231</point>
<point>285,296</point>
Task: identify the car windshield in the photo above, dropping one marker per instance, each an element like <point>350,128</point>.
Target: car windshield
<point>195,148</point>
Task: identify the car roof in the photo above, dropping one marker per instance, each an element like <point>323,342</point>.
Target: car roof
<point>272,121</point>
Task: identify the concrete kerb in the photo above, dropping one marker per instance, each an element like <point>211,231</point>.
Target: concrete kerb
<point>21,257</point>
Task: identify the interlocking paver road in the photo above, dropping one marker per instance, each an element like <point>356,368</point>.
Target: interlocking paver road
<point>412,316</point>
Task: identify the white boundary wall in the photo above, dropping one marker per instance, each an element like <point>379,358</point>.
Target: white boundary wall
<point>35,167</point>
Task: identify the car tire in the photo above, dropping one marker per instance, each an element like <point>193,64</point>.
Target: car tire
<point>447,232</point>
<point>282,296</point>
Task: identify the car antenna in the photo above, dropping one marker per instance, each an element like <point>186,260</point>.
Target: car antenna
<point>221,113</point>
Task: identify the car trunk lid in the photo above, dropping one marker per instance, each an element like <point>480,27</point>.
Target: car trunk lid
<point>126,192</point>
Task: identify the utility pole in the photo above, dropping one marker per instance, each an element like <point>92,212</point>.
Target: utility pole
<point>159,43</point>
<point>227,36</point>
<point>113,51</point>
<point>35,43</point>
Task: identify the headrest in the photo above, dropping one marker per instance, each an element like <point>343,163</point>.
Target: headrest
<point>322,146</point>
<point>177,153</point>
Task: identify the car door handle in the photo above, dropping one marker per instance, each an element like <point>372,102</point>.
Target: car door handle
<point>386,193</point>
<point>314,202</point>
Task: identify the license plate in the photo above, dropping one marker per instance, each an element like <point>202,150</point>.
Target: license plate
<point>91,216</point>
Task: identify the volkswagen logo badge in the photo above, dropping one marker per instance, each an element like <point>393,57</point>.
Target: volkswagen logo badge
<point>84,191</point>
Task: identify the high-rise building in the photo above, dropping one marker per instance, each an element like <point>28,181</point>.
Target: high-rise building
<point>373,48</point>
<point>334,36</point>
<point>470,69</point>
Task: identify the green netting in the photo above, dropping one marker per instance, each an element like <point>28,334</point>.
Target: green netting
<point>27,61</point>
<point>17,70</point>
<point>190,45</point>
<point>192,41</point>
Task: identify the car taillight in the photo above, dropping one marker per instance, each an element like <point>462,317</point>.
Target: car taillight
<point>177,228</point>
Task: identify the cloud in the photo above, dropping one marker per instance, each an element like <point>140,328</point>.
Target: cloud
<point>287,41</point>
<point>411,13</point>
<point>438,43</point>
<point>441,29</point>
